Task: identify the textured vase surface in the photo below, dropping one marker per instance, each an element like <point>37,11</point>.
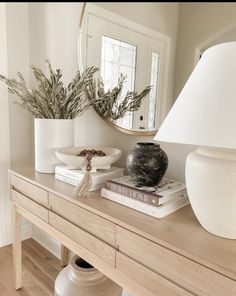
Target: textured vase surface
<point>147,164</point>
<point>49,135</point>
<point>81,279</point>
<point>210,180</point>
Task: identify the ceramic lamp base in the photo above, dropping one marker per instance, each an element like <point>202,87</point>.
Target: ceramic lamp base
<point>211,186</point>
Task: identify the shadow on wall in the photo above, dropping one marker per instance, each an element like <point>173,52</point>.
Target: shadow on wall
<point>90,129</point>
<point>227,34</point>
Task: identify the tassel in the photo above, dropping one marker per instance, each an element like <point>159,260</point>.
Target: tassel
<point>85,184</point>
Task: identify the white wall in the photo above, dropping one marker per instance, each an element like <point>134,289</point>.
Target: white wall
<point>53,35</point>
<point>21,122</point>
<point>16,125</point>
<point>5,222</point>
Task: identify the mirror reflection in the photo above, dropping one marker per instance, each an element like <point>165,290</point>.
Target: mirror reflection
<point>123,48</point>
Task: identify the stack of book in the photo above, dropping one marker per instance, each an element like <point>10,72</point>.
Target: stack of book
<point>99,178</point>
<point>159,201</point>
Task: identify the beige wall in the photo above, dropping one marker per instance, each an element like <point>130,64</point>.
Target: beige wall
<point>162,17</point>
<point>53,35</point>
<point>198,23</point>
<point>5,134</point>
<point>16,124</point>
<point>21,122</point>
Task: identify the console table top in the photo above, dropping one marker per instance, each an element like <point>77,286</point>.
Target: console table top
<point>180,231</point>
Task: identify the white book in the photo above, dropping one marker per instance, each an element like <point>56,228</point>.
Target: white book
<point>76,182</point>
<point>157,212</point>
<point>98,177</point>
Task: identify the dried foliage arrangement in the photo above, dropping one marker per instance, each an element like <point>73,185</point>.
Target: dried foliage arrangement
<point>110,104</point>
<point>50,98</point>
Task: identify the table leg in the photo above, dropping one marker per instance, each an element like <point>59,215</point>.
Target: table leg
<point>17,259</point>
<point>64,255</point>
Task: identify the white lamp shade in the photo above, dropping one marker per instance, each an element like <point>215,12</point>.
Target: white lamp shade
<point>204,114</point>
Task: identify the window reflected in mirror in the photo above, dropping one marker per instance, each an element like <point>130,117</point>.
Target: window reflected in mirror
<point>153,97</point>
<point>118,45</point>
<point>119,57</point>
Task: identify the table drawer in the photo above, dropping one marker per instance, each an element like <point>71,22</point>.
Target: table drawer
<point>32,191</point>
<point>29,205</point>
<point>148,279</point>
<point>94,224</point>
<point>182,271</point>
<point>88,241</point>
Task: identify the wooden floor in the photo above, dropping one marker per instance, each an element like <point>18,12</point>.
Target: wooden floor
<point>40,269</point>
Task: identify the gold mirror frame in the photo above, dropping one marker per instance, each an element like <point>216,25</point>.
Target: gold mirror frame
<point>129,132</point>
<point>80,63</point>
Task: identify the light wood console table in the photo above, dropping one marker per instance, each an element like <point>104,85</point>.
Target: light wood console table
<point>149,257</point>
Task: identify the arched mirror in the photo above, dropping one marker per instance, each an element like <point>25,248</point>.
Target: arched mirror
<point>120,48</point>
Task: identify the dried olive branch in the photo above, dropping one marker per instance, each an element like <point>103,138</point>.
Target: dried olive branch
<point>110,104</point>
<point>50,98</point>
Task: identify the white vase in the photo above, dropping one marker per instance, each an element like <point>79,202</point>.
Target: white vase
<point>51,134</point>
<point>81,279</point>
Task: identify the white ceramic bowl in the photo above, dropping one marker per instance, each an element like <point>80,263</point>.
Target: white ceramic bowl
<point>69,157</point>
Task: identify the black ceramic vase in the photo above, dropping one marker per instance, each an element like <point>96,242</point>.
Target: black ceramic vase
<point>147,164</point>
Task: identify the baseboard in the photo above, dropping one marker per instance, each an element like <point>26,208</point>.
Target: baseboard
<point>26,233</point>
<point>47,241</point>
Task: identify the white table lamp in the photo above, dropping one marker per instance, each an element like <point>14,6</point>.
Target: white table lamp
<point>204,114</point>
